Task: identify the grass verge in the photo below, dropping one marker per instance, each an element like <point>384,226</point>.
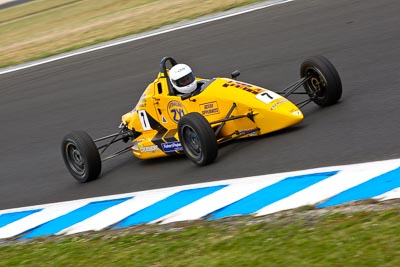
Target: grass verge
<point>42,28</point>
<point>299,238</point>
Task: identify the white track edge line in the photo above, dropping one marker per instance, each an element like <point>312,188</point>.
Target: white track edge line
<point>135,37</point>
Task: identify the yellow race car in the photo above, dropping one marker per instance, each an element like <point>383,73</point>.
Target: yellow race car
<point>181,114</point>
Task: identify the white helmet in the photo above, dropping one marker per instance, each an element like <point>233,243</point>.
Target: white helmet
<point>182,78</point>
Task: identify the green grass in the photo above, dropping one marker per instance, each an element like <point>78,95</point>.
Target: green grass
<point>338,239</point>
<point>42,28</point>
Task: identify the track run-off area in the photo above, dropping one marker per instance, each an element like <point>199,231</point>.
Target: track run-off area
<point>90,91</point>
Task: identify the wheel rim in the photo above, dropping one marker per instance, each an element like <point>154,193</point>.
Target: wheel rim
<point>74,158</point>
<point>192,142</point>
<point>316,84</point>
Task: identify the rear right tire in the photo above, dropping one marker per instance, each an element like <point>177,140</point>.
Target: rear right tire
<point>198,139</point>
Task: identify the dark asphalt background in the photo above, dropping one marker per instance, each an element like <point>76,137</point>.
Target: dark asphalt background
<point>38,106</point>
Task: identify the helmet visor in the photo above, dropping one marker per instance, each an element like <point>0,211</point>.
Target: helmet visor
<point>185,80</point>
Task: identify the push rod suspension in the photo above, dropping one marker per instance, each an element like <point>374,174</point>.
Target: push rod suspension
<point>107,137</point>
<point>226,117</point>
<point>304,102</point>
<point>231,118</point>
<point>238,134</point>
<point>112,141</point>
<point>293,87</point>
<point>119,152</point>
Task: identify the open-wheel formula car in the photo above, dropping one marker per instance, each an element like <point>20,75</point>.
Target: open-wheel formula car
<point>168,121</point>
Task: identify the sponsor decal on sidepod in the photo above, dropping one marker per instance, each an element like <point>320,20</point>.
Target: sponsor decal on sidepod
<point>172,146</point>
<point>149,149</point>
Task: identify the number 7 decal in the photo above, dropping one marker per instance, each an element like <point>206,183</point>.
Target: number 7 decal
<point>144,120</point>
<point>268,97</point>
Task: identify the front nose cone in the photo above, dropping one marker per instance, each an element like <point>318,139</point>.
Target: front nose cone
<point>289,117</point>
<point>297,115</point>
<point>282,116</point>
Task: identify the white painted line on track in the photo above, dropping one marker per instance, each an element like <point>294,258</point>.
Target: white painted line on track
<point>135,37</point>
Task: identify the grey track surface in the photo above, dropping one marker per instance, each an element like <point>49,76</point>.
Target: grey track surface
<point>38,106</point>
<point>13,3</point>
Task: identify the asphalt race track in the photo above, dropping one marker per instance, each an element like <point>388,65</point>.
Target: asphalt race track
<point>39,105</point>
<point>10,3</point>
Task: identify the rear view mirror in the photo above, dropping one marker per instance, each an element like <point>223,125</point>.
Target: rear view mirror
<point>235,74</point>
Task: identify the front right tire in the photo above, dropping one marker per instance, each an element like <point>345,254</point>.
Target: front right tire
<point>324,87</point>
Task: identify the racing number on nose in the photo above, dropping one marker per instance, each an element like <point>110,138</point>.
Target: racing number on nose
<point>267,97</point>
<point>144,120</point>
<point>263,94</point>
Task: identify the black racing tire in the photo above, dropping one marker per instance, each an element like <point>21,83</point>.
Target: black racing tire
<point>198,139</point>
<point>324,87</point>
<point>81,156</point>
